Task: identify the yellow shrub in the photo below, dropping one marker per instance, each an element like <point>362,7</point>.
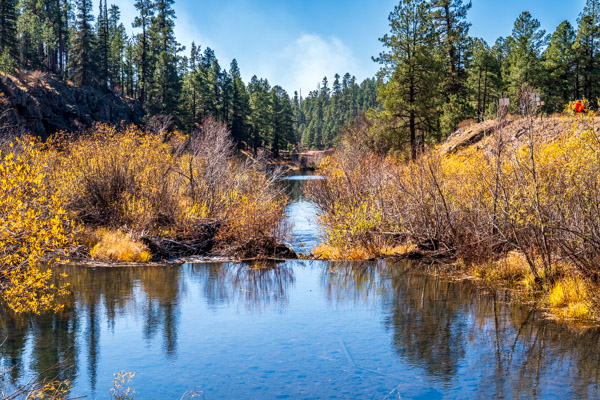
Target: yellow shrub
<point>119,246</point>
<point>169,185</point>
<point>252,213</point>
<point>33,223</point>
<point>116,177</point>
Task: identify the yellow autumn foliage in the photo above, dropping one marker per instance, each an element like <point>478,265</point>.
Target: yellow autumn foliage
<point>537,196</point>
<point>111,181</point>
<point>33,223</point>
<point>169,186</point>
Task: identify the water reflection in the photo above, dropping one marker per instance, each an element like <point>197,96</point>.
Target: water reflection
<point>453,332</point>
<point>44,345</point>
<point>356,282</point>
<point>443,335</point>
<point>301,214</point>
<point>257,286</point>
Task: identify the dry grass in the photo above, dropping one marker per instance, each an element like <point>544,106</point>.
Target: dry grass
<point>511,269</point>
<point>327,252</point>
<point>570,298</point>
<point>399,250</point>
<point>119,246</point>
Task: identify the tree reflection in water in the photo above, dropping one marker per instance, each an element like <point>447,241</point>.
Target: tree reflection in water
<point>456,335</point>
<point>453,331</point>
<point>101,295</point>
<point>258,286</point>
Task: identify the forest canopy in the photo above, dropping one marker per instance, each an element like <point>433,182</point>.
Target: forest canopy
<point>433,74</point>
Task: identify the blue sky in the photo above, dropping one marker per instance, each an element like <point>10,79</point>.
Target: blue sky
<point>294,43</point>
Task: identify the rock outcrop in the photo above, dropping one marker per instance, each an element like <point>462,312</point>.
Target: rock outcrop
<point>40,104</point>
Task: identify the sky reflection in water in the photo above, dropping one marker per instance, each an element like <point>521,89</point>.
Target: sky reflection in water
<point>303,330</point>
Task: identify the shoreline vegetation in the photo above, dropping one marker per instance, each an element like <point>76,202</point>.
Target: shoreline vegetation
<point>485,205</point>
<point>124,195</point>
<point>512,203</point>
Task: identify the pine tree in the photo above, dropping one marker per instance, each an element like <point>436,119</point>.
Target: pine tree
<point>8,34</point>
<point>82,59</point>
<point>259,91</point>
<point>213,99</point>
<point>225,84</point>
<point>129,76</point>
<point>282,126</point>
<point>104,44</point>
<point>118,45</point>
<point>485,77</point>
<point>586,50</point>
<point>166,85</point>
<point>558,62</point>
<point>240,105</point>
<point>190,89</point>
<point>64,34</point>
<point>451,22</point>
<point>523,61</point>
<point>413,76</point>
<point>30,30</point>
<point>143,21</point>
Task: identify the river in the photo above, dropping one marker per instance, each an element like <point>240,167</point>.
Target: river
<point>298,330</point>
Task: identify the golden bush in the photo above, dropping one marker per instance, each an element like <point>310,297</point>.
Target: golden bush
<point>33,223</point>
<point>167,186</point>
<point>119,246</point>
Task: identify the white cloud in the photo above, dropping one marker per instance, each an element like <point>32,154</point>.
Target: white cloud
<point>302,64</point>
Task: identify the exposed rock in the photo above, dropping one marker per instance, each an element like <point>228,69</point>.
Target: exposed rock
<point>40,104</point>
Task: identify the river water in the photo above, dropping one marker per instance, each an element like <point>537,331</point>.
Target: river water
<point>298,330</point>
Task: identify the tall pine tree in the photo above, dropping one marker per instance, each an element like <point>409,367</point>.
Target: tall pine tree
<point>559,64</point>
<point>143,21</point>
<point>412,75</point>
<point>82,59</point>
<point>8,35</point>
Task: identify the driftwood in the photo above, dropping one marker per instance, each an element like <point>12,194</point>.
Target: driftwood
<point>200,244</point>
<point>203,242</point>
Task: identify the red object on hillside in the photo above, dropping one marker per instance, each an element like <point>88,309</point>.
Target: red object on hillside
<point>579,107</point>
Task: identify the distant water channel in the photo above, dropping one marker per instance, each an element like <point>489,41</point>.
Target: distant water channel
<point>297,330</point>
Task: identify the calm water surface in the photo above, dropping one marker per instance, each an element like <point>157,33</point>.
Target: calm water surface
<point>298,330</point>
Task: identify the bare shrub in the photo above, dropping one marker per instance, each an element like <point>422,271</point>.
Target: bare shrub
<point>187,188</point>
<point>537,196</point>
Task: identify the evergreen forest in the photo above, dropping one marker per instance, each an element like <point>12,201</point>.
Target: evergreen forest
<point>433,73</point>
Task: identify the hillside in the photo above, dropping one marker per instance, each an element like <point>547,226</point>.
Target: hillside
<point>513,132</point>
<point>40,104</point>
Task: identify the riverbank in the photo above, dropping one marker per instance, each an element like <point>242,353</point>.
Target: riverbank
<point>382,300</point>
<point>511,202</point>
<point>127,196</point>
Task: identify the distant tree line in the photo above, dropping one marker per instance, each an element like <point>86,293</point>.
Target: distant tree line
<point>320,116</point>
<point>435,75</point>
<point>65,38</point>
